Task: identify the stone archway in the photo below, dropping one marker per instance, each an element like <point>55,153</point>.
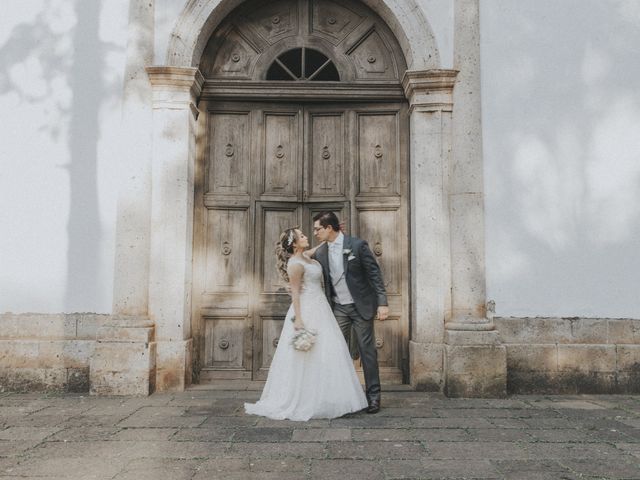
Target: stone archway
<point>199,19</point>
<point>447,255</point>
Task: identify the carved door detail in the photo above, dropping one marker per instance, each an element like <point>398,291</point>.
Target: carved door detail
<point>266,167</point>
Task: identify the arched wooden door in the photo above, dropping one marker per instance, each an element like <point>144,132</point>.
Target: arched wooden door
<point>280,139</point>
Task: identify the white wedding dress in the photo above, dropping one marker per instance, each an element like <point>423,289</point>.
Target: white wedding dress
<point>319,383</point>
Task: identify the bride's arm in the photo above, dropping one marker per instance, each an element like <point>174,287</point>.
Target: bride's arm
<point>312,251</point>
<point>295,272</point>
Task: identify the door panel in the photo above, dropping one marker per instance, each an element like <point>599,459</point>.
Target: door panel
<point>227,266</point>
<point>229,153</point>
<point>326,154</point>
<point>349,159</point>
<point>280,154</point>
<point>378,153</point>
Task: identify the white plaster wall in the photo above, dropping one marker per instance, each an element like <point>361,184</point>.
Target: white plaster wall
<point>439,14</point>
<point>60,86</point>
<point>561,128</point>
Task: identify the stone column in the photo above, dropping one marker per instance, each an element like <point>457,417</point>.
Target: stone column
<point>131,273</point>
<point>175,93</point>
<point>429,94</point>
<point>123,362</point>
<point>475,362</point>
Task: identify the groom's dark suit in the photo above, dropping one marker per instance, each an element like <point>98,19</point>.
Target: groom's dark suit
<point>364,281</point>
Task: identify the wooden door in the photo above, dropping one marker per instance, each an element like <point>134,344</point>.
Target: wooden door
<point>266,167</point>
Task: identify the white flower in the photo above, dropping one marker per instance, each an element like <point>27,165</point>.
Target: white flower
<point>346,251</point>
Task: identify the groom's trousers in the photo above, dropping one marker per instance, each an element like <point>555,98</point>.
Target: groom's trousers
<point>348,317</point>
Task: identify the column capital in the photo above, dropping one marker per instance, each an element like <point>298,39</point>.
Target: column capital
<point>429,89</point>
<point>175,87</point>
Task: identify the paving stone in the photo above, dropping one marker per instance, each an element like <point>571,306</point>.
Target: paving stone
<point>154,469</point>
<point>80,434</point>
<point>291,465</point>
<point>621,468</point>
<point>12,448</point>
<point>508,422</point>
<point>321,434</point>
<point>372,421</point>
<point>630,448</point>
<point>544,423</point>
<point>561,435</point>
<point>267,422</point>
<point>515,466</point>
<point>441,435</point>
<point>233,422</point>
<point>475,450</point>
<point>69,468</point>
<point>407,412</point>
<point>161,421</point>
<point>400,434</point>
<point>451,423</point>
<point>277,450</point>
<point>204,435</point>
<point>332,469</point>
<point>374,450</point>
<point>178,450</point>
<point>263,434</point>
<point>499,435</point>
<point>34,421</point>
<point>27,433</point>
<point>222,465</point>
<point>205,475</point>
<point>458,469</point>
<point>571,450</point>
<point>144,434</point>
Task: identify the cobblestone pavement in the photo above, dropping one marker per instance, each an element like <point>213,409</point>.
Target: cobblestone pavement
<point>204,434</point>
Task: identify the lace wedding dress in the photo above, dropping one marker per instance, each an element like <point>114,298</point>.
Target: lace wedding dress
<point>319,383</point>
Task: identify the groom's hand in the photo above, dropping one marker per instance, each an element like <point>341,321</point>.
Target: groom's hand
<point>383,312</point>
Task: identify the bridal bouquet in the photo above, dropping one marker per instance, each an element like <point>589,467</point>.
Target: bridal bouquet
<point>304,339</point>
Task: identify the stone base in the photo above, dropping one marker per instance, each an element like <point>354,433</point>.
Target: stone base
<point>426,366</point>
<point>124,359</point>
<point>173,365</point>
<point>475,365</point>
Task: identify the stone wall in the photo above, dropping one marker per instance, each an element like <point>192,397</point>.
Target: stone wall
<point>544,355</point>
<point>47,352</point>
<point>571,355</point>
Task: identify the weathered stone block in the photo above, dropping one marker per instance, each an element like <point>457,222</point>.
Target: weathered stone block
<point>586,330</point>
<point>628,358</point>
<point>173,372</point>
<point>87,325</point>
<point>427,361</point>
<point>32,379</point>
<point>532,357</point>
<point>587,358</point>
<point>475,371</point>
<point>124,334</point>
<point>533,330</point>
<point>123,368</point>
<point>623,331</point>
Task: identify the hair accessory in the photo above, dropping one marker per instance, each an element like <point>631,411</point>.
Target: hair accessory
<point>290,238</point>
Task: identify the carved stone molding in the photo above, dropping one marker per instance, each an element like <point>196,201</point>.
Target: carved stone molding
<point>176,87</point>
<point>430,89</point>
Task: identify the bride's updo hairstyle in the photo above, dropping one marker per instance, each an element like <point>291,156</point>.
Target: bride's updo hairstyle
<point>284,250</point>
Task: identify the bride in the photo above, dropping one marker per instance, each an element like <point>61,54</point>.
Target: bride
<point>320,382</point>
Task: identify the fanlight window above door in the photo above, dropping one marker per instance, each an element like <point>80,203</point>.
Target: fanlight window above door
<point>303,64</point>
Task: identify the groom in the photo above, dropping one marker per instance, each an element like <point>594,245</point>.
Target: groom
<point>354,288</point>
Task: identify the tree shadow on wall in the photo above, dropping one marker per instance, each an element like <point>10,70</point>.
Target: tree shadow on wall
<point>561,111</point>
<point>68,59</point>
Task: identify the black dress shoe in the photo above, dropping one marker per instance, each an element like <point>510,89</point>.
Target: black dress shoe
<point>374,406</point>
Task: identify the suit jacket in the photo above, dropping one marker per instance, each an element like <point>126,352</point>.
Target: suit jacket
<point>362,273</point>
